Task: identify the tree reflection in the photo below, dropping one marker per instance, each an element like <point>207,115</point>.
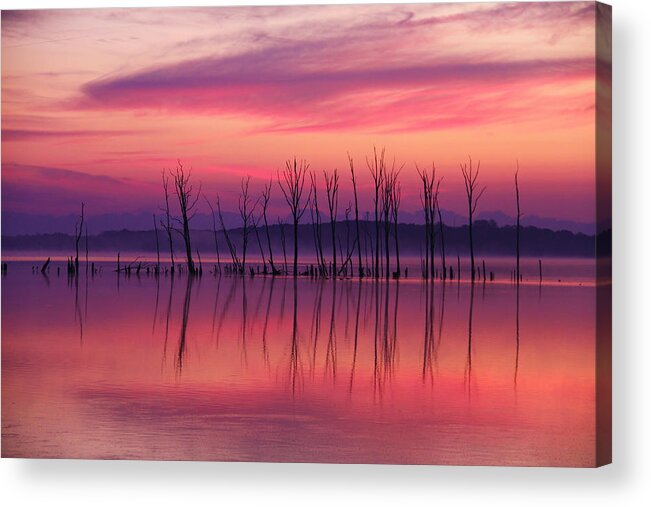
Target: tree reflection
<point>517,334</point>
<point>294,360</point>
<point>184,325</point>
<point>386,334</point>
<point>331,349</point>
<point>468,370</point>
<point>354,362</point>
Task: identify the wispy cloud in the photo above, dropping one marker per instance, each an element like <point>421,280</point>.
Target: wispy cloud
<point>26,134</point>
<point>26,188</point>
<point>362,77</point>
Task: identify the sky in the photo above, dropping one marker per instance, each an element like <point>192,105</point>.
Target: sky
<point>95,103</point>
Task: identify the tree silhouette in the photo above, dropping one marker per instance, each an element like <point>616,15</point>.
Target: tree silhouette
<point>246,212</point>
<point>517,227</point>
<point>292,184</point>
<point>315,215</point>
<point>214,233</point>
<point>473,195</point>
<point>231,248</point>
<point>187,202</point>
<point>376,167</point>
<point>396,197</point>
<point>79,227</point>
<point>266,196</point>
<point>332,190</point>
<point>360,268</point>
<point>167,225</point>
<point>428,201</point>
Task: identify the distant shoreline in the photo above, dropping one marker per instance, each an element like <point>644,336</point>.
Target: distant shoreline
<point>490,240</point>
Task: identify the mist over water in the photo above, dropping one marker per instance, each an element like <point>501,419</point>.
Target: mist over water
<point>277,369</point>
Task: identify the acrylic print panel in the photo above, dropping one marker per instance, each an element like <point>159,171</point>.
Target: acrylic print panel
<point>344,234</point>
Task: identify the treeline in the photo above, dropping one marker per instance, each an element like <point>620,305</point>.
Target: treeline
<point>369,246</point>
<point>489,239</point>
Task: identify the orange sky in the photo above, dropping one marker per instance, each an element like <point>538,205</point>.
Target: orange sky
<point>96,102</point>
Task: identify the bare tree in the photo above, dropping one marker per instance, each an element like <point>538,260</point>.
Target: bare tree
<point>187,202</point>
<point>426,200</point>
<point>266,196</point>
<point>473,195</point>
<point>350,249</point>
<point>332,190</point>
<point>438,210</point>
<point>292,184</point>
<point>376,167</point>
<point>231,248</point>
<point>283,242</point>
<point>214,233</point>
<point>434,200</point>
<point>246,211</point>
<point>79,228</point>
<point>388,183</point>
<point>517,227</point>
<point>316,225</point>
<point>360,268</point>
<point>157,244</point>
<point>86,245</point>
<point>256,221</point>
<point>167,225</point>
<point>396,197</point>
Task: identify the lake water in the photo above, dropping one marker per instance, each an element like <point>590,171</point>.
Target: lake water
<point>276,369</point>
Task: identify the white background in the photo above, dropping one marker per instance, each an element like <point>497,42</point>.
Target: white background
<point>626,482</point>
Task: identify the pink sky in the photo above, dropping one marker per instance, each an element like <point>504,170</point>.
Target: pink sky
<point>96,102</point>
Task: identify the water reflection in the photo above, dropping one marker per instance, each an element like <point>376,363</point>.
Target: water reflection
<point>517,332</point>
<point>316,344</point>
<point>433,327</point>
<point>294,361</point>
<point>356,336</point>
<point>363,370</point>
<point>181,355</point>
<point>468,370</point>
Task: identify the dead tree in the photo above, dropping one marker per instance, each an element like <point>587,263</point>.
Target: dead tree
<point>396,196</point>
<point>332,189</point>
<point>315,216</point>
<point>438,210</point>
<point>292,184</point>
<point>434,199</point>
<point>517,226</point>
<point>231,248</point>
<point>79,227</point>
<point>157,244</point>
<point>246,211</point>
<point>283,242</point>
<point>388,183</point>
<point>350,249</point>
<point>427,201</point>
<point>187,202</point>
<point>473,195</point>
<point>257,237</point>
<point>376,167</point>
<point>214,233</point>
<point>360,268</point>
<point>424,200</point>
<point>266,196</point>
<point>86,245</point>
<point>167,225</point>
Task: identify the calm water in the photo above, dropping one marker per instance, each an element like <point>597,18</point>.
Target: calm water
<point>226,368</point>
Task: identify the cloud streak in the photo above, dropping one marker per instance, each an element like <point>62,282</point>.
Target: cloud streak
<point>360,77</point>
<point>266,85</point>
<point>25,188</point>
<point>27,134</point>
